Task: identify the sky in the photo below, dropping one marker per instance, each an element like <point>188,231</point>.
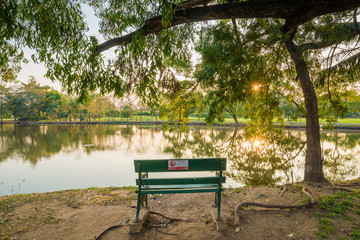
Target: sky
<point>39,70</point>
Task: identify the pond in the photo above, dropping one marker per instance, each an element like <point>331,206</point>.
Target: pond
<point>43,158</point>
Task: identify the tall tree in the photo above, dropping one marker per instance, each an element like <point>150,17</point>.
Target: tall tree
<point>154,41</point>
<point>4,102</point>
<point>297,16</point>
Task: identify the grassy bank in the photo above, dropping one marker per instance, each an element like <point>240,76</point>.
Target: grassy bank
<point>147,119</point>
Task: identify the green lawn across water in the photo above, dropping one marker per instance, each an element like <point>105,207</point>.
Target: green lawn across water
<point>350,121</point>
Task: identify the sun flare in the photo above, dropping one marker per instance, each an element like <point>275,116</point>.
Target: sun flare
<point>257,143</point>
<point>256,87</point>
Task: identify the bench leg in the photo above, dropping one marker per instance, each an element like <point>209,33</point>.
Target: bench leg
<point>144,201</point>
<point>219,204</point>
<point>216,199</point>
<point>138,208</point>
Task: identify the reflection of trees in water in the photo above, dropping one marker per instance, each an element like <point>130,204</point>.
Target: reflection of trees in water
<point>340,151</point>
<point>34,142</point>
<point>198,142</point>
<point>254,159</point>
<point>348,140</point>
<point>266,158</point>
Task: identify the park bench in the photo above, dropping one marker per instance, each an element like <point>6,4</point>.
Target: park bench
<point>148,185</point>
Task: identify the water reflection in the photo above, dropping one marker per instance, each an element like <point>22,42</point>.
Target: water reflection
<point>254,159</point>
<point>340,151</point>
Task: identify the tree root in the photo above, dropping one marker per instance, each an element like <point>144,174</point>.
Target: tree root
<point>243,204</point>
<point>169,218</point>
<point>154,226</point>
<point>357,184</point>
<point>282,192</point>
<point>312,199</point>
<point>111,228</point>
<point>344,189</point>
<point>172,234</point>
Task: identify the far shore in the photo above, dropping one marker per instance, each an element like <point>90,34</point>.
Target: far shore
<point>287,125</point>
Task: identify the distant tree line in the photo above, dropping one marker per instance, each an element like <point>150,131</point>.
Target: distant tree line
<point>32,102</point>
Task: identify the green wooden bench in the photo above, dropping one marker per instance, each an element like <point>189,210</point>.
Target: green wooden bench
<point>179,185</point>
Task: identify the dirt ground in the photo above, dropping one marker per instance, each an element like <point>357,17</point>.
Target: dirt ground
<point>85,214</point>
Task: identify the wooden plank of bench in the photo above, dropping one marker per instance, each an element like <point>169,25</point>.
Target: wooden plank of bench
<point>195,164</point>
<point>180,186</point>
<point>173,181</point>
<point>175,190</point>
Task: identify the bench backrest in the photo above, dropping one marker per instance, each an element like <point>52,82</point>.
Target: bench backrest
<point>177,165</point>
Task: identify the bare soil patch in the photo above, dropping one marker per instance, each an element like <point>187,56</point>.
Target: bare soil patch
<point>84,214</point>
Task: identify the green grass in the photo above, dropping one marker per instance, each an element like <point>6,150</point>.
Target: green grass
<point>325,227</point>
<point>197,120</point>
<point>338,206</point>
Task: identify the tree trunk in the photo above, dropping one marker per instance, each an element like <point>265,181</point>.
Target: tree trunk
<point>235,119</point>
<point>313,160</point>
<point>1,109</point>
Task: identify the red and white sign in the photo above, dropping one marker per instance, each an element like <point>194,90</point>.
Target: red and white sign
<point>178,164</point>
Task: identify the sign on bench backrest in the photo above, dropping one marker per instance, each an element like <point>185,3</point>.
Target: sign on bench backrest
<point>197,164</point>
<point>178,164</point>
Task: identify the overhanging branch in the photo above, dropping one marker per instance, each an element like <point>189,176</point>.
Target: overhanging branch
<point>295,12</point>
<point>325,44</point>
<point>354,59</point>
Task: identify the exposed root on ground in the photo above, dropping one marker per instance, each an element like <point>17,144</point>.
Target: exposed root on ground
<point>312,199</point>
<point>238,208</point>
<point>152,226</point>
<point>166,232</point>
<point>169,218</point>
<point>354,184</point>
<point>282,192</point>
<point>111,228</point>
<point>344,189</point>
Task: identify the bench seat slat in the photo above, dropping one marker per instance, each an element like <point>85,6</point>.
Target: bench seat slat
<point>147,187</point>
<point>174,181</point>
<point>176,190</point>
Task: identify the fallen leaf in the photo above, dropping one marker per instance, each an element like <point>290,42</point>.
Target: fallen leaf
<point>237,229</point>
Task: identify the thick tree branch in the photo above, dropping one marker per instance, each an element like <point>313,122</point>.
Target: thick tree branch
<point>192,3</point>
<point>355,20</point>
<point>325,44</point>
<point>295,12</point>
<point>354,59</point>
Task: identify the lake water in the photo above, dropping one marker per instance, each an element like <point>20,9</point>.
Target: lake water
<point>43,158</point>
